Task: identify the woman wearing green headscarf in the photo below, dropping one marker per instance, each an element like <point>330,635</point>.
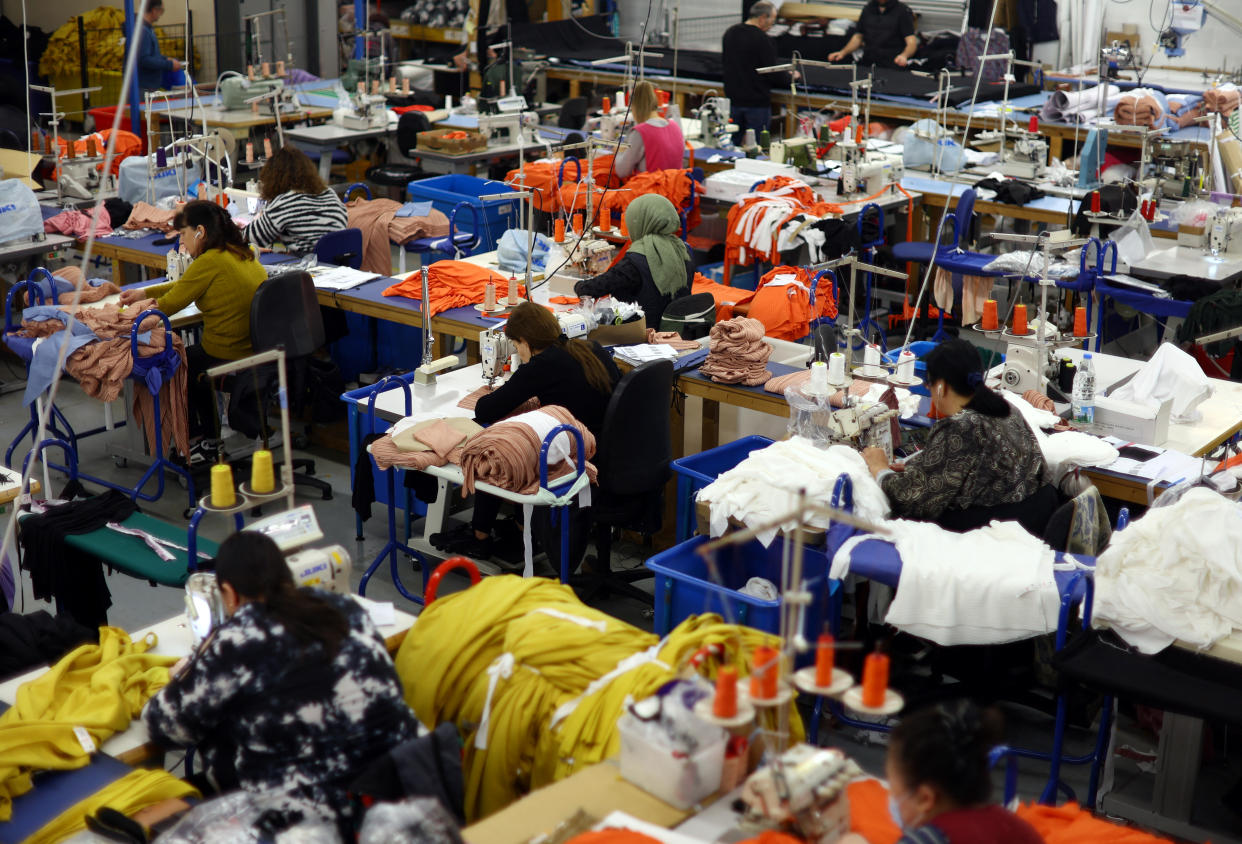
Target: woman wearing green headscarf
<point>656,269</point>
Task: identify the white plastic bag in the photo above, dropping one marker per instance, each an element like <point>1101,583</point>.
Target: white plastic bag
<point>1133,239</point>
<point>20,218</point>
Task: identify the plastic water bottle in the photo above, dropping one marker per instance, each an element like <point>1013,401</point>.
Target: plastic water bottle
<point>1082,407</point>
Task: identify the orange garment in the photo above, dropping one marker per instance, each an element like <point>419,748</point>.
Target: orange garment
<point>451,284</point>
<point>540,178</point>
<point>869,815</point>
<point>794,194</point>
<point>564,300</point>
<point>771,837</point>
<point>613,836</point>
<point>727,298</point>
<point>127,144</point>
<point>675,185</point>
<point>785,309</point>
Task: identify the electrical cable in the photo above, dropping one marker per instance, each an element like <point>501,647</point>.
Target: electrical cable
<point>127,78</point>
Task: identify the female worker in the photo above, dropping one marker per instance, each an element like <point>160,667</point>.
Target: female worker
<point>295,693</point>
<point>221,280</point>
<point>981,461</point>
<point>654,143</point>
<point>939,783</point>
<point>655,270</point>
<point>578,375</point>
<point>300,209</point>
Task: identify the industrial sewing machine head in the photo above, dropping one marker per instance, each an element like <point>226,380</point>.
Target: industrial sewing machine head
<point>714,122</point>
<point>803,792</point>
<point>1225,232</point>
<point>81,177</point>
<point>236,91</point>
<point>1176,166</point>
<point>495,349</point>
<point>1027,158</point>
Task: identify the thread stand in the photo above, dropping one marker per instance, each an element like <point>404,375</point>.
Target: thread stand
<point>842,681</point>
<point>704,709</point>
<point>893,702</point>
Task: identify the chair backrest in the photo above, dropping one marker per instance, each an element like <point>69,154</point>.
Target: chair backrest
<point>408,127</point>
<point>690,316</point>
<point>634,444</point>
<point>285,312</point>
<point>573,113</point>
<point>342,248</point>
<point>964,212</point>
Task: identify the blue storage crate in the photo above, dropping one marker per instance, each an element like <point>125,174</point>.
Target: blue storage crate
<point>696,471</point>
<point>683,586</point>
<point>498,215</point>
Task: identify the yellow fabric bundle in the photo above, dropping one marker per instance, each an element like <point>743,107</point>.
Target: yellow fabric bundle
<point>105,43</point>
<point>131,793</point>
<point>100,688</point>
<point>557,672</point>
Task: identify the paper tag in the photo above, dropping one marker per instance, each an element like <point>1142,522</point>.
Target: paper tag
<point>84,739</point>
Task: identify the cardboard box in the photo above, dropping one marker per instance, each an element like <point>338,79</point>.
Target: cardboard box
<point>621,335</point>
<point>463,140</point>
<point>1133,421</point>
<point>1190,236</point>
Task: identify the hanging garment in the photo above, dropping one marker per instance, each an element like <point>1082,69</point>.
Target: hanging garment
<point>98,688</point>
<point>975,291</point>
<point>737,353</point>
<point>782,302</point>
<point>674,185</point>
<point>535,679</point>
<point>727,298</point>
<point>380,225</point>
<point>451,284</point>
<point>767,484</point>
<point>987,586</point>
<point>1175,573</point>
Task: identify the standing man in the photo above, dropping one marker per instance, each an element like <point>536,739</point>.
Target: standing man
<point>746,48</point>
<point>151,62</point>
<point>885,31</point>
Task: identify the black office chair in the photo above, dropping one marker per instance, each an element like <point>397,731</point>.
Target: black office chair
<point>573,113</point>
<point>690,316</point>
<point>634,450</point>
<point>395,175</point>
<point>284,313</point>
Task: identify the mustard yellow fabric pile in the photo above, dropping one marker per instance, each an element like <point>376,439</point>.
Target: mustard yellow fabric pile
<point>536,680</point>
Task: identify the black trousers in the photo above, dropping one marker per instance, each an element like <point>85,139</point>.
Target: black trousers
<point>204,416</point>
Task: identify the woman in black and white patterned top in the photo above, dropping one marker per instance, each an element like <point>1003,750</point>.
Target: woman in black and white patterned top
<point>294,694</point>
<point>981,462</point>
<point>300,209</point>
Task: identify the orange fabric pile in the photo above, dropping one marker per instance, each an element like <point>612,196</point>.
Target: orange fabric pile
<point>675,185</point>
<point>1224,101</point>
<point>1068,824</point>
<point>783,302</point>
<point>452,284</point>
<point>727,298</point>
<point>541,178</point>
<point>127,144</point>
<point>755,220</point>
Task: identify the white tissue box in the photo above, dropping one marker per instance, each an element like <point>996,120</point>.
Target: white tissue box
<point>1132,421</point>
<point>681,781</point>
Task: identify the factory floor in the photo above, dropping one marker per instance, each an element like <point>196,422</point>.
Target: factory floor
<point>136,604</point>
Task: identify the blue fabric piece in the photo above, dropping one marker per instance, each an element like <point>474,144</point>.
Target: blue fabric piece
<point>415,209</point>
<point>60,285</point>
<point>42,368</point>
<point>154,370</point>
<point>511,251</point>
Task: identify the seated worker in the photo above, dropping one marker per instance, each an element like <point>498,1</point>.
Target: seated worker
<point>654,143</point>
<point>655,270</point>
<point>981,461</point>
<point>221,280</point>
<point>578,375</point>
<point>294,692</point>
<point>939,782</point>
<point>299,208</point>
<point>885,31</point>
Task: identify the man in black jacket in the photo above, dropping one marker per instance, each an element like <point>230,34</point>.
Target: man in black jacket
<point>745,49</point>
<point>885,31</point>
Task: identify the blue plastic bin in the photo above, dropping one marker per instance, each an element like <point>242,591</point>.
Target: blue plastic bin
<point>683,586</point>
<point>696,471</point>
<point>499,215</point>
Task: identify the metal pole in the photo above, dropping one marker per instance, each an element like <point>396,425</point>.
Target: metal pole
<point>425,314</point>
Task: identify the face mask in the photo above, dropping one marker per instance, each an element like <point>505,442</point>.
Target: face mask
<point>894,809</point>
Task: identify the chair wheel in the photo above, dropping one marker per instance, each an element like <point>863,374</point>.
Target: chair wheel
<point>327,495</point>
<point>188,513</point>
<point>120,462</point>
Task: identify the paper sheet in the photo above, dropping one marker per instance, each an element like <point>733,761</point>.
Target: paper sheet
<point>327,277</point>
<point>383,613</point>
<point>1167,465</point>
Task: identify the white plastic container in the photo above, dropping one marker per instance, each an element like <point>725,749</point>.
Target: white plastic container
<point>679,780</point>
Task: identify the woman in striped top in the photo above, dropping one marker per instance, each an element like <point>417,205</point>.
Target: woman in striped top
<point>300,209</point>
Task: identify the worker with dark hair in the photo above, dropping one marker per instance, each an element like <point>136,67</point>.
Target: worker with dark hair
<point>981,460</point>
<point>294,694</point>
<point>939,783</point>
<point>152,64</point>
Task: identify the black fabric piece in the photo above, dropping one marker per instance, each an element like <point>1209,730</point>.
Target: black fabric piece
<point>962,92</point>
<point>815,47</point>
<point>1216,312</point>
<point>427,766</point>
<point>937,53</point>
<point>584,39</point>
<point>74,578</point>
<point>364,480</point>
<point>744,49</point>
<point>1033,513</point>
<point>1176,679</point>
<point>554,377</point>
<point>324,385</point>
<point>1038,19</point>
<point>38,638</point>
<point>1113,198</point>
<point>1189,288</point>
<point>884,80</point>
<point>1011,191</point>
<point>424,486</point>
<point>118,211</point>
<point>629,280</point>
<point>884,29</point>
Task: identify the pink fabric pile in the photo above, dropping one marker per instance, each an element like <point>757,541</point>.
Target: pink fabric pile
<point>1137,108</point>
<point>670,338</point>
<point>778,384</point>
<point>1223,100</point>
<point>146,216</point>
<point>79,223</point>
<point>737,353</point>
<point>506,455</point>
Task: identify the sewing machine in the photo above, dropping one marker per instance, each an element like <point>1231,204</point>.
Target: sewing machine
<point>592,257</point>
<point>495,349</point>
<point>370,112</point>
<point>175,264</point>
<point>1176,166</point>
<point>505,126</point>
<point>574,323</point>
<point>804,792</point>
<point>325,568</point>
<point>82,178</point>
<point>714,126</point>
<point>1224,235</point>
<point>1027,158</point>
<point>234,91</point>
<point>1026,364</point>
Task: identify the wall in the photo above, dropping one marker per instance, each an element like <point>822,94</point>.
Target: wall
<point>1215,45</point>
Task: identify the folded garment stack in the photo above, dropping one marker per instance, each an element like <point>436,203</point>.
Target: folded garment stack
<point>738,354</point>
<point>1140,107</point>
<point>506,455</point>
<point>1223,99</point>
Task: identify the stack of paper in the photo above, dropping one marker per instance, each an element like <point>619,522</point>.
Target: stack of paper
<point>644,352</point>
<point>328,277</point>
